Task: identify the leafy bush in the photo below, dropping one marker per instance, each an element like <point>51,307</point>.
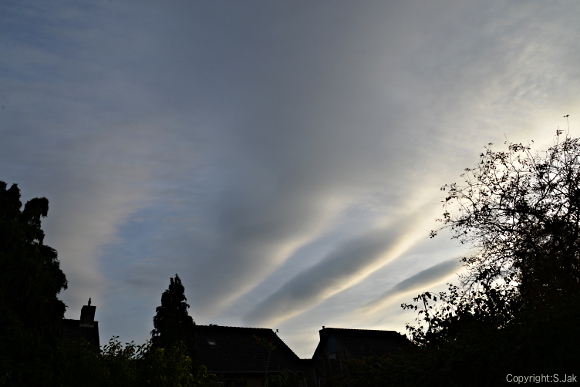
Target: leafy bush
<point>130,365</point>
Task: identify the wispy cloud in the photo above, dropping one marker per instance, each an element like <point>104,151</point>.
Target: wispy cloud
<point>274,154</point>
<point>445,270</point>
<point>350,263</point>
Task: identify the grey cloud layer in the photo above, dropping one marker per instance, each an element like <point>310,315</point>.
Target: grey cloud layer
<point>216,138</point>
<point>423,279</point>
<point>339,270</point>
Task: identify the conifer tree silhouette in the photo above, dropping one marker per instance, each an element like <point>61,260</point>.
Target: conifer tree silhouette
<point>172,323</point>
<point>30,280</point>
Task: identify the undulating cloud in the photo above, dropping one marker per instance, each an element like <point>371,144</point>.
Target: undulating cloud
<point>274,154</point>
<point>351,262</point>
<point>425,278</point>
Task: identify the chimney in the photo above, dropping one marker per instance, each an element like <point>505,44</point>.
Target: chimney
<point>88,315</point>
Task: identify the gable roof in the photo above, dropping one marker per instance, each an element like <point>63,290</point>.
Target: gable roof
<point>242,350</point>
<point>364,342</point>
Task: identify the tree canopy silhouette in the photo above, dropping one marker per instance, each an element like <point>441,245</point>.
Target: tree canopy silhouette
<point>521,210</point>
<point>30,280</point>
<point>172,324</point>
<point>516,310</point>
<point>517,306</point>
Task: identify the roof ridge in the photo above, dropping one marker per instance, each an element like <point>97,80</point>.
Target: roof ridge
<point>229,326</point>
<point>360,329</point>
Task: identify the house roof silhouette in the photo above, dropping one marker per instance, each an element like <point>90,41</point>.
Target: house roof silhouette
<point>86,328</point>
<point>338,346</point>
<point>362,342</point>
<point>225,350</point>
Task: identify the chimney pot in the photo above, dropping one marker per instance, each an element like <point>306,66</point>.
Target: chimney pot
<point>88,315</point>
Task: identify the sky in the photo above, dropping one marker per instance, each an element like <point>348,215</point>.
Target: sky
<point>285,158</point>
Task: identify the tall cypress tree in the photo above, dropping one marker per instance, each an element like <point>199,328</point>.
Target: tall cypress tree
<point>172,323</point>
<point>30,280</point>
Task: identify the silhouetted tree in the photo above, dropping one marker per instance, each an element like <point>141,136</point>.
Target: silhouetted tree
<point>172,324</point>
<point>30,280</point>
<point>517,307</point>
<point>521,210</point>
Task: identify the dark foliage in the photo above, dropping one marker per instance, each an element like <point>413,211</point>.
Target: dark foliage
<point>30,280</point>
<point>172,324</point>
<point>33,350</point>
<point>522,211</point>
<point>131,365</point>
<point>517,308</point>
